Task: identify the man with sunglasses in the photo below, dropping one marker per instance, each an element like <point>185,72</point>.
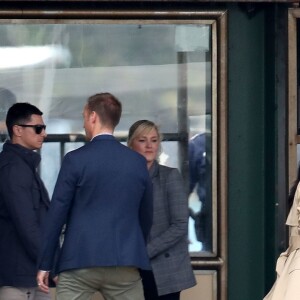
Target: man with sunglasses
<point>23,203</point>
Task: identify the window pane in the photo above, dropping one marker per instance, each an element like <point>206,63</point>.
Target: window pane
<point>160,71</point>
<point>50,164</point>
<point>57,66</point>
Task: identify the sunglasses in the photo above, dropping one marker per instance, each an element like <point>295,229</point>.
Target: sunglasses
<point>37,128</point>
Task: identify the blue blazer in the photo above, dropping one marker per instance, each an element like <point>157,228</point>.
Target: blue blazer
<point>104,196</point>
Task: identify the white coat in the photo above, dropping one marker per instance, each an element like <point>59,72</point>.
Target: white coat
<point>286,286</point>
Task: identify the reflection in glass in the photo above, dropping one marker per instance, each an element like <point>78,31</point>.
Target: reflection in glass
<point>161,72</point>
<point>200,188</point>
<point>50,164</point>
<point>7,99</point>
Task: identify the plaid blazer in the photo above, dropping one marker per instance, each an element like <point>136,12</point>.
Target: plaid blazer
<point>168,241</point>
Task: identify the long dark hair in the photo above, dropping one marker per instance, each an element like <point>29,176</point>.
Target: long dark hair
<point>293,189</point>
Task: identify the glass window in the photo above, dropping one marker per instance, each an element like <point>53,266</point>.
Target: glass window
<point>160,71</point>
<point>169,67</point>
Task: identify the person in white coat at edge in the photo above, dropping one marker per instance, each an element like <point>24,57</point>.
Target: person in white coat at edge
<point>287,284</point>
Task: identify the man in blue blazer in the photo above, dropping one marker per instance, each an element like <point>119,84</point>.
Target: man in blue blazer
<point>103,195</point>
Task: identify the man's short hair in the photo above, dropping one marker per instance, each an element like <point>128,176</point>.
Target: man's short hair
<point>107,107</point>
<point>20,113</point>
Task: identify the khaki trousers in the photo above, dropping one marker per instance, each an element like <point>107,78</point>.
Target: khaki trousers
<point>114,283</point>
<point>13,293</point>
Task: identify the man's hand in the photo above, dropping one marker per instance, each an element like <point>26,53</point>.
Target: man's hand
<point>42,280</point>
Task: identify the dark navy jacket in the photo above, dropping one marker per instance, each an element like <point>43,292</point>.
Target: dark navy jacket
<point>104,196</point>
<point>23,205</point>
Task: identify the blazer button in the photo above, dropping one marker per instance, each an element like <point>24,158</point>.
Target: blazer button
<point>167,254</point>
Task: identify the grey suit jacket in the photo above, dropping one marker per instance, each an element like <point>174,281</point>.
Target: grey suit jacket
<point>168,241</point>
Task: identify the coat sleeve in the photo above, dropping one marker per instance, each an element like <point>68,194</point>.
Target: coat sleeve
<point>22,201</point>
<point>57,215</point>
<point>177,203</point>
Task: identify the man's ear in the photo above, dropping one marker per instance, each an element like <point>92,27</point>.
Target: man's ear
<point>17,130</point>
<point>93,116</point>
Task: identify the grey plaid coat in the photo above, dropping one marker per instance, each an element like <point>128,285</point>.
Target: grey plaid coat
<point>168,240</point>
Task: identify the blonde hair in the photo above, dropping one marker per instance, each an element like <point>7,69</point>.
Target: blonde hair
<point>139,127</point>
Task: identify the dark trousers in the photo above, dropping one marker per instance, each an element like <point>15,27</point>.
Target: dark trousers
<point>150,290</point>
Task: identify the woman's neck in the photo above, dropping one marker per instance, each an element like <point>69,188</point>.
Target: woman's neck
<point>149,164</point>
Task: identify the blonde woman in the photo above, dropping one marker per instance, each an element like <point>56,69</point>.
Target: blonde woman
<point>168,242</point>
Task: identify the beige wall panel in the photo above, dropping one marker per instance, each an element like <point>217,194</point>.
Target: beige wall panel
<point>206,288</point>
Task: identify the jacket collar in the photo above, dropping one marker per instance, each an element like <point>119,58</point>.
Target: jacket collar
<point>153,171</point>
<point>102,137</point>
<point>31,157</point>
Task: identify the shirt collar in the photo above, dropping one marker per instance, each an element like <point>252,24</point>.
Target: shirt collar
<point>104,133</point>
